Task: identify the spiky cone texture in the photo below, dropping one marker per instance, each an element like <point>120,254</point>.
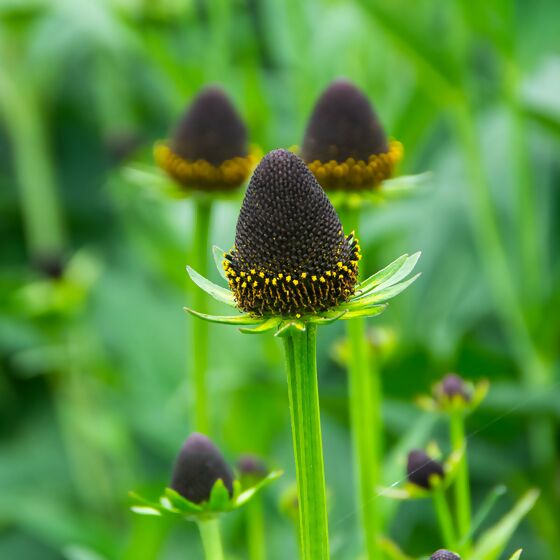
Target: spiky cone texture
<point>444,555</point>
<point>291,255</point>
<point>344,144</point>
<point>197,468</point>
<point>422,470</point>
<point>208,150</point>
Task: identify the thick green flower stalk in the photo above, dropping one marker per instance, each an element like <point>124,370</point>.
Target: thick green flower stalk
<point>291,269</point>
<point>346,148</point>
<point>208,154</point>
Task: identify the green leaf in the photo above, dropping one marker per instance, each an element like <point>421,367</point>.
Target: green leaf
<point>486,507</point>
<point>377,297</point>
<point>219,496</point>
<point>493,541</point>
<point>218,260</point>
<point>268,325</point>
<point>402,273</point>
<point>146,510</point>
<point>179,503</point>
<point>247,494</point>
<point>223,295</point>
<point>226,319</point>
<point>370,311</point>
<point>326,318</point>
<point>516,555</point>
<point>381,276</point>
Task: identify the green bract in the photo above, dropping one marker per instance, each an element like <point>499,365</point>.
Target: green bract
<point>369,299</point>
<point>172,503</point>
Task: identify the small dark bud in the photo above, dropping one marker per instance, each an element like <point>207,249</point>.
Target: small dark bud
<point>420,468</point>
<point>453,385</point>
<point>290,255</point>
<point>444,555</point>
<point>210,130</point>
<point>251,466</point>
<point>50,266</point>
<point>344,144</point>
<point>199,465</point>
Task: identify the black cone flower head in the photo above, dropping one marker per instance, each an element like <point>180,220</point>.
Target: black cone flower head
<point>421,469</point>
<point>453,385</point>
<point>198,466</point>
<point>291,255</point>
<point>444,555</point>
<point>344,144</point>
<point>208,150</point>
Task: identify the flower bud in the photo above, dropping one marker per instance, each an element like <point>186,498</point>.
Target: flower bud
<point>452,386</point>
<point>199,465</point>
<point>251,467</point>
<point>421,469</point>
<point>444,555</point>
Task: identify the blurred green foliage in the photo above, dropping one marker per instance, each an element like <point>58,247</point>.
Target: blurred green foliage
<point>93,387</point>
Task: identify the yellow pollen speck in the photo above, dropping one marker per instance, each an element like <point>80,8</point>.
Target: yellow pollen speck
<point>296,282</point>
<point>280,276</point>
<point>288,278</point>
<point>328,273</point>
<point>274,282</point>
<point>298,315</point>
<point>244,285</point>
<point>314,278</point>
<point>255,284</point>
<point>253,271</point>
<point>237,279</point>
<point>242,273</point>
<point>322,279</point>
<point>339,264</point>
<point>261,274</point>
<point>267,281</point>
<point>304,275</point>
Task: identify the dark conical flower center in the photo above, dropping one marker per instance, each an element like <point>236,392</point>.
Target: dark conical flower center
<point>210,130</point>
<point>209,148</point>
<point>344,143</point>
<point>291,255</point>
<point>199,465</point>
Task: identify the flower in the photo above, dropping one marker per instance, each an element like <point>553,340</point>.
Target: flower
<point>345,145</point>
<point>422,470</point>
<point>444,555</point>
<point>208,150</point>
<point>290,255</point>
<point>202,484</point>
<point>454,395</point>
<point>292,262</point>
<point>197,468</point>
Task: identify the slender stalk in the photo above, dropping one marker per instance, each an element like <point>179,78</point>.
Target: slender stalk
<point>462,486</point>
<point>255,529</point>
<point>21,111</point>
<point>445,519</point>
<point>300,348</point>
<point>211,539</point>
<point>366,421</point>
<point>199,341</point>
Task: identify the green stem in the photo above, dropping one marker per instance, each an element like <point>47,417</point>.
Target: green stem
<point>462,486</point>
<point>23,117</point>
<point>445,519</point>
<point>303,394</point>
<point>199,343</point>
<point>211,539</point>
<point>255,529</point>
<point>365,419</point>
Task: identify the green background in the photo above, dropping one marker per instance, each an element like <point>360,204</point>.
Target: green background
<point>95,403</point>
